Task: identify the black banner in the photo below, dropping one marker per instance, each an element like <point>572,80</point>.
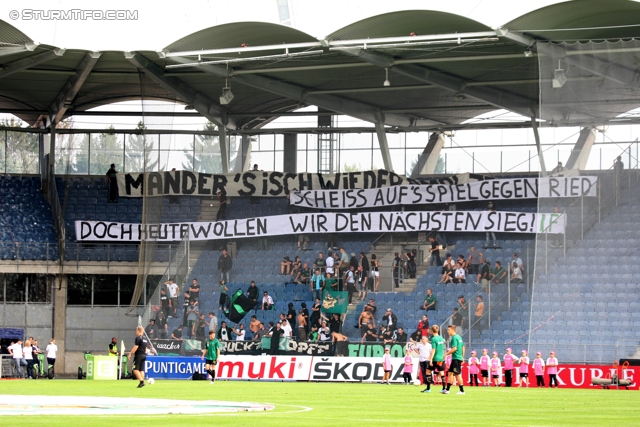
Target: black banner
<point>287,347</point>
<point>168,347</point>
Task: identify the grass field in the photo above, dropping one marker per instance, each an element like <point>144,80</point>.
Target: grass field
<point>344,404</point>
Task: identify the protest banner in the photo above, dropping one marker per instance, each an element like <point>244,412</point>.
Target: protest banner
<point>331,222</point>
<point>263,183</point>
<point>495,189</point>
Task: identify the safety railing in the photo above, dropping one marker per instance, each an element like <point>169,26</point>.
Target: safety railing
<point>470,321</point>
<point>177,270</point>
<point>624,178</point>
<point>606,354</point>
<point>20,252</point>
<point>116,252</point>
<point>56,212</point>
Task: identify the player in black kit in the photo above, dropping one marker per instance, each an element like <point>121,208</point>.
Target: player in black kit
<point>140,351</point>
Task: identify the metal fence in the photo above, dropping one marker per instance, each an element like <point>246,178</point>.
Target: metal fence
<point>29,251</point>
<point>606,354</point>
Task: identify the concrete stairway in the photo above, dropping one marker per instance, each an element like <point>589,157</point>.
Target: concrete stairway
<point>385,248</point>
<point>208,210</point>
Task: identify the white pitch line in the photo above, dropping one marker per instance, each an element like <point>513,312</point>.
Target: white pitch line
<point>95,405</point>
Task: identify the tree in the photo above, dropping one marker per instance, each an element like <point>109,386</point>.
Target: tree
<point>356,167</point>
<point>105,149</point>
<point>22,151</point>
<point>202,159</point>
<point>67,149</point>
<point>206,156</point>
<point>439,165</point>
<point>140,155</point>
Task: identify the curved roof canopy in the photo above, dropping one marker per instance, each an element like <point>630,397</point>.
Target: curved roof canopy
<point>442,69</point>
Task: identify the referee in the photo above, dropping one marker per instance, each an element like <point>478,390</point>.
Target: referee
<point>424,349</point>
<point>212,351</point>
<point>456,350</point>
<point>140,351</point>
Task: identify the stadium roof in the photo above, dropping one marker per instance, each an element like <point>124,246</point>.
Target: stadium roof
<point>443,69</point>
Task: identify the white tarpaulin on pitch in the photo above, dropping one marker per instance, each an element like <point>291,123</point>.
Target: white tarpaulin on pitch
<point>495,189</point>
<point>334,222</point>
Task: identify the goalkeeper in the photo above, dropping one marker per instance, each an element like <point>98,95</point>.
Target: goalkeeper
<point>212,352</point>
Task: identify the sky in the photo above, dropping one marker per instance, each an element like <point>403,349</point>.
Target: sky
<point>159,23</point>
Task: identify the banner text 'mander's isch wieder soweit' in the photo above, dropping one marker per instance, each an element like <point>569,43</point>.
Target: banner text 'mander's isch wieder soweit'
<point>333,222</point>
<point>263,183</point>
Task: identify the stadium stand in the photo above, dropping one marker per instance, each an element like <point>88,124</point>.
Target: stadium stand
<point>26,225</point>
<point>263,266</point>
<point>84,198</point>
<point>591,294</point>
<point>594,283</point>
<point>598,287</point>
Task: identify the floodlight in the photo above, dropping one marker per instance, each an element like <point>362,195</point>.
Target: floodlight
<point>528,53</point>
<point>226,96</point>
<point>559,78</point>
<point>386,79</point>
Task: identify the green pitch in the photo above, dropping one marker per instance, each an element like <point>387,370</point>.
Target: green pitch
<point>343,404</point>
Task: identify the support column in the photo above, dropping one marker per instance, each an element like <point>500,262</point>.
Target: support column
<point>534,126</point>
<point>581,151</point>
<point>59,327</point>
<point>428,160</point>
<point>244,155</point>
<point>45,146</point>
<point>52,149</point>
<point>42,152</point>
<point>290,153</point>
<point>224,148</point>
<point>384,146</point>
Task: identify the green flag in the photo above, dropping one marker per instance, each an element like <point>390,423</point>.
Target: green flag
<point>239,307</point>
<point>335,301</point>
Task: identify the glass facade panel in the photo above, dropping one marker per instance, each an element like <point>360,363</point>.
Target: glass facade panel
<point>105,290</point>
<point>141,153</point>
<point>15,287</point>
<point>106,148</point>
<point>39,287</point>
<point>79,289</point>
<point>127,285</point>
<point>22,152</point>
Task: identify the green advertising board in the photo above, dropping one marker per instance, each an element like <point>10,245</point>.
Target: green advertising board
<point>102,367</point>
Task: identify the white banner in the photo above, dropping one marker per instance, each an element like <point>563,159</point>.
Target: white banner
<point>263,183</point>
<point>332,222</point>
<point>271,368</point>
<point>495,189</point>
<point>357,369</point>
